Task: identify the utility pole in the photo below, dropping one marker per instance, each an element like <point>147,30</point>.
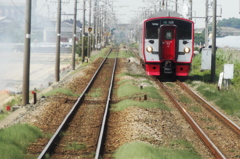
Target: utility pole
<point>57,63</point>
<point>213,66</point>
<point>190,3</point>
<point>74,35</point>
<point>83,32</point>
<point>176,9</point>
<point>26,62</point>
<point>94,25</point>
<point>89,29</point>
<point>206,25</point>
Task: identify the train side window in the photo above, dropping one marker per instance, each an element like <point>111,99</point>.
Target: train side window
<point>168,35</point>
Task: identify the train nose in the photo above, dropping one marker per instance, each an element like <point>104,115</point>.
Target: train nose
<point>168,67</point>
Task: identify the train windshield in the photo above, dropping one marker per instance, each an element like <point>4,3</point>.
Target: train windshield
<point>152,29</point>
<point>184,28</point>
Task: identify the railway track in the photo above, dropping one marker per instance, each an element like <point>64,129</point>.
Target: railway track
<point>78,135</point>
<point>219,134</point>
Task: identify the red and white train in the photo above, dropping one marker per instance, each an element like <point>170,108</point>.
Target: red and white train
<point>167,44</point>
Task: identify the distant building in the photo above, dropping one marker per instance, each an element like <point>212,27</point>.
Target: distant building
<point>225,31</point>
<point>49,32</point>
<point>14,9</point>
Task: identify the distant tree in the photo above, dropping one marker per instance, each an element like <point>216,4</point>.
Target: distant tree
<point>231,22</point>
<point>199,38</point>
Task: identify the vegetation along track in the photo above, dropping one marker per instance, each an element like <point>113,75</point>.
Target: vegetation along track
<point>219,134</point>
<point>78,135</point>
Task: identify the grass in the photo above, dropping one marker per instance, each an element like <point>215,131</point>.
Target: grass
<point>75,146</point>
<point>184,99</point>
<point>15,139</point>
<point>3,115</point>
<point>125,54</point>
<point>95,93</point>
<point>143,104</point>
<point>102,54</point>
<point>61,90</point>
<point>133,75</point>
<point>228,100</point>
<point>135,82</point>
<point>129,90</point>
<point>206,119</point>
<point>196,109</point>
<point>142,150</point>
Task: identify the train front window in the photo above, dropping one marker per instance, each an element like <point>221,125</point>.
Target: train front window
<point>152,29</point>
<point>168,35</point>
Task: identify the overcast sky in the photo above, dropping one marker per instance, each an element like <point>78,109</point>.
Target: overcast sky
<point>127,9</point>
<point>230,8</point>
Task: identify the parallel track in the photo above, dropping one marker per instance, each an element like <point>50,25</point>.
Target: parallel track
<point>208,142</point>
<point>216,112</point>
<point>53,142</point>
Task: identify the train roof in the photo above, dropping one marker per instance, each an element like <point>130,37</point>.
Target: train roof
<point>165,13</point>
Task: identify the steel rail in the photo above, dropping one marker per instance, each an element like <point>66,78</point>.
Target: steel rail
<point>216,112</point>
<point>100,138</point>
<point>50,145</point>
<point>214,150</point>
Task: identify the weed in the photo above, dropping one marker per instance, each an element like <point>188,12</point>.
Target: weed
<point>130,103</point>
<point>15,139</point>
<point>61,90</point>
<point>184,99</point>
<point>196,109</point>
<point>211,128</point>
<point>136,150</point>
<point>75,146</point>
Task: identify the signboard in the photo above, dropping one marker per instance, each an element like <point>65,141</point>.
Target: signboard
<point>206,59</point>
<point>228,71</point>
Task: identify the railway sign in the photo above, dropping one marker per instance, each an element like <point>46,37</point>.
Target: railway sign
<point>90,29</point>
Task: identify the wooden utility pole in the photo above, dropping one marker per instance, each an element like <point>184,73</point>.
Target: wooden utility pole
<point>57,62</point>
<point>94,25</point>
<point>190,3</point>
<point>83,31</point>
<point>74,35</point>
<point>26,62</point>
<point>89,29</point>
<point>206,25</point>
<point>176,9</point>
<point>213,67</point>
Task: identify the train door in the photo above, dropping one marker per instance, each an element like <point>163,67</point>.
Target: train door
<point>167,43</point>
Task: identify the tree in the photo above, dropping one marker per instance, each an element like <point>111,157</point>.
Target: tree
<point>199,38</point>
<point>231,22</point>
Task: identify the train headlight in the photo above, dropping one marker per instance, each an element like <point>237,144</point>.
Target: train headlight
<point>187,50</point>
<point>149,49</point>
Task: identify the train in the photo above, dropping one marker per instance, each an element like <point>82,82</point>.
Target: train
<point>166,44</point>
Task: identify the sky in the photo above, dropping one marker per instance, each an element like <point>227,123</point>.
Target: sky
<point>128,9</point>
<point>230,8</point>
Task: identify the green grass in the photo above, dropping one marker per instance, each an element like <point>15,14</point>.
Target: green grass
<point>135,82</point>
<point>144,104</point>
<point>125,54</point>
<point>75,146</point>
<point>61,90</point>
<point>133,75</point>
<point>141,150</point>
<point>128,90</point>
<point>95,93</point>
<point>196,109</point>
<point>184,99</point>
<point>3,115</point>
<point>15,140</point>
<point>228,100</point>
